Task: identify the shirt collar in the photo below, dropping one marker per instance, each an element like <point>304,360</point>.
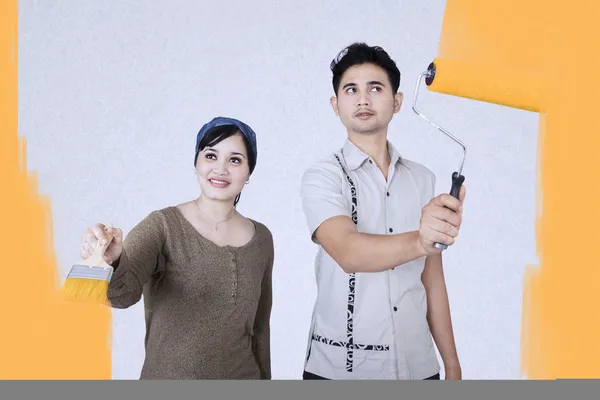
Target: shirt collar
<point>355,157</point>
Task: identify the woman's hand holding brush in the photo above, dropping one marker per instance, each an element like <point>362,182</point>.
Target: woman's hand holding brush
<point>100,235</point>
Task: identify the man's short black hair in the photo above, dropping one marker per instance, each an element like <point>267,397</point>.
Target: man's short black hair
<point>361,53</point>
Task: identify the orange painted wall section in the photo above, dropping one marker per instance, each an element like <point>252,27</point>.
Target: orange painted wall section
<point>41,337</point>
<point>543,56</point>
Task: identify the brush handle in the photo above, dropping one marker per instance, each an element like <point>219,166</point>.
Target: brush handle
<point>457,181</point>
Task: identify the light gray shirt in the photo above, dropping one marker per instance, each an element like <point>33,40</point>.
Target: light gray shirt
<point>368,325</point>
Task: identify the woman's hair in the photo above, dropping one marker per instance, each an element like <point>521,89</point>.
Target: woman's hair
<point>217,135</point>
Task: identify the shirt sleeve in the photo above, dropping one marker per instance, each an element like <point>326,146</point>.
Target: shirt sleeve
<point>261,340</point>
<point>431,194</point>
<point>425,180</point>
<point>140,259</point>
<point>322,195</point>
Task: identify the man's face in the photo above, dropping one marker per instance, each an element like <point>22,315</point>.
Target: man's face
<point>366,102</point>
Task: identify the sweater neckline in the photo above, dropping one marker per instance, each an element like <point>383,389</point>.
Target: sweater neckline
<point>213,244</point>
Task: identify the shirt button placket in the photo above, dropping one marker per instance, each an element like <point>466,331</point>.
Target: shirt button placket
<point>390,230</point>
<point>233,275</point>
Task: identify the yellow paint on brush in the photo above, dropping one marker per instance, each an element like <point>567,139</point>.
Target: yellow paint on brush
<point>85,290</point>
<point>42,337</point>
<point>542,56</point>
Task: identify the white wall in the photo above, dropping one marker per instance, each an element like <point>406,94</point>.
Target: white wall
<point>112,94</point>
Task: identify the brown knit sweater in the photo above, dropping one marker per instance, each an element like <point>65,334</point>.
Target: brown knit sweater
<point>207,307</point>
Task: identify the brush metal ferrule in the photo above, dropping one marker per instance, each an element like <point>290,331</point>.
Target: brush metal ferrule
<point>88,272</point>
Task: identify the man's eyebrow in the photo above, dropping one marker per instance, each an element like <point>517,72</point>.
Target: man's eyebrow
<point>351,84</point>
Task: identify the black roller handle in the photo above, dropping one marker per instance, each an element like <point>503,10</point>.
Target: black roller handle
<point>457,181</point>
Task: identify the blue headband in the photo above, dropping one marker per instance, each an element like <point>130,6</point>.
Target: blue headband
<point>224,121</point>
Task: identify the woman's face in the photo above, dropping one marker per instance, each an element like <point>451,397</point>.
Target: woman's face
<point>223,168</point>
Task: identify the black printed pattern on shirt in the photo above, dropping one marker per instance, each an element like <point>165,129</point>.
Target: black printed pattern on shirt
<point>368,347</point>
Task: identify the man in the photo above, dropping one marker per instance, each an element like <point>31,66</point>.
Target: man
<point>381,290</point>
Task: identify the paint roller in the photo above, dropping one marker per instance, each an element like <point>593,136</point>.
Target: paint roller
<point>483,83</point>
<point>457,177</point>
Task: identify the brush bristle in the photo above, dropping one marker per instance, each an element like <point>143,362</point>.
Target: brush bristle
<point>85,290</point>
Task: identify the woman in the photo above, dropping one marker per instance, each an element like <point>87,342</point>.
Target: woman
<point>203,268</point>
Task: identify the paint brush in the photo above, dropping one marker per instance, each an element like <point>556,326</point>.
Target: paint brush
<point>88,279</point>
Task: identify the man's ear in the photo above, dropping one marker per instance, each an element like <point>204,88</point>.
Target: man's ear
<point>334,105</point>
<point>398,102</point>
